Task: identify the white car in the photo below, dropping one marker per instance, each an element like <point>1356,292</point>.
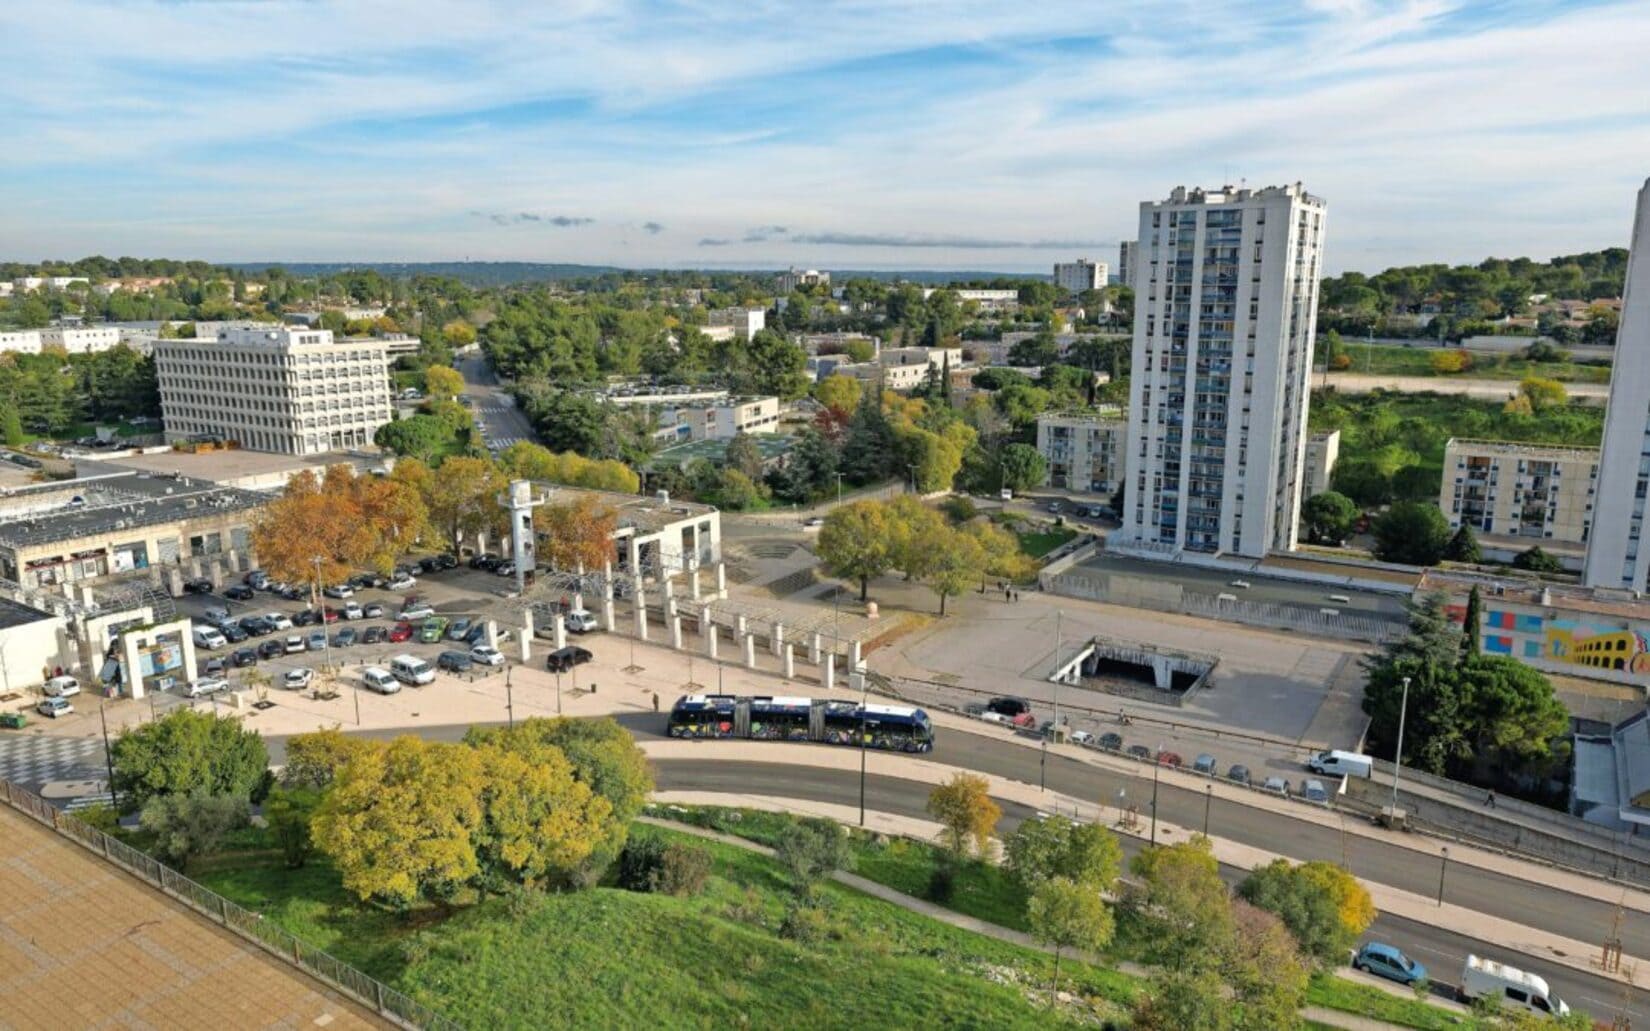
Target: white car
<point>280,620</point>
<point>61,687</point>
<point>207,685</point>
<point>354,611</point>
<point>422,610</point>
<point>297,679</point>
<point>580,621</point>
<point>402,582</point>
<point>505,569</point>
<point>294,644</point>
<point>1082,737</point>
<point>486,655</point>
<point>993,717</point>
<point>339,591</point>
<point>54,707</point>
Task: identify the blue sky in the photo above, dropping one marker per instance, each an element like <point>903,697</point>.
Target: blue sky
<point>911,133</point>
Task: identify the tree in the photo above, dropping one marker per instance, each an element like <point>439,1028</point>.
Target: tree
<point>1463,547</point>
<point>578,534</point>
<point>812,850</point>
<point>458,333</point>
<point>463,499</point>
<point>1305,904</point>
<point>189,825</point>
<point>840,394</point>
<point>736,491</point>
<point>963,806</point>
<point>287,813</point>
<point>869,446</point>
<point>1178,1000</point>
<point>1363,481</point>
<point>1537,561</point>
<point>1067,914</point>
<point>423,437</point>
<point>1180,897</point>
<point>539,821</point>
<point>1023,467</point>
<point>743,456</point>
<point>1472,626</point>
<point>1411,532</point>
<point>858,541</point>
<point>313,760</point>
<point>1266,971</point>
<point>11,426</point>
<point>1329,517</point>
<point>1543,393</point>
<point>400,821</point>
<point>957,561</point>
<point>443,382</point>
<point>1053,846</point>
<point>1511,714</point>
<point>187,752</point>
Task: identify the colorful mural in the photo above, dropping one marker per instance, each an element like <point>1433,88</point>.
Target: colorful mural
<point>1582,643</point>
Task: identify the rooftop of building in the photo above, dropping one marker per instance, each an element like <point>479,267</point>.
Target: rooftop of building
<point>643,513</point>
<point>237,468</point>
<point>13,614</point>
<point>1515,449</point>
<point>1230,194</point>
<point>1097,414</point>
<point>768,445</point>
<point>111,501</point>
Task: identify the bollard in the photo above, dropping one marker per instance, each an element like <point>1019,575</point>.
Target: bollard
<point>790,663</point>
<point>750,651</point>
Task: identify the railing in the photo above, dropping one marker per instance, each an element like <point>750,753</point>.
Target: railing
<point>388,1003</point>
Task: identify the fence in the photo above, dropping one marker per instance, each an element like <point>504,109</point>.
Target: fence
<point>375,995</point>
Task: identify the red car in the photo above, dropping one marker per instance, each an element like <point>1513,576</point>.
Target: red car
<point>331,615</point>
<point>401,632</point>
<point>1167,758</point>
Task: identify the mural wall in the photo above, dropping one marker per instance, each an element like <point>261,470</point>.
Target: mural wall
<point>1578,641</point>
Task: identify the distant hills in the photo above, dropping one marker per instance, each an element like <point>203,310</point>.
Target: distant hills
<point>501,273</point>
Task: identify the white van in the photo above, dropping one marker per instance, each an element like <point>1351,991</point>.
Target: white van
<point>1340,599</point>
<point>1337,763</point>
<point>1487,979</point>
<point>380,680</point>
<point>580,621</point>
<point>410,669</point>
<point>208,637</point>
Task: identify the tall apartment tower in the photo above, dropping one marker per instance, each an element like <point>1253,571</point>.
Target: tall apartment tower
<point>1076,276</point>
<point>1616,556</point>
<point>1125,262</point>
<point>1226,303</point>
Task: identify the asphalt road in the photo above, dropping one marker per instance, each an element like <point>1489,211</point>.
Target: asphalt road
<point>501,421</point>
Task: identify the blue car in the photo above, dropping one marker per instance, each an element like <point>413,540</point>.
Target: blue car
<point>1386,961</point>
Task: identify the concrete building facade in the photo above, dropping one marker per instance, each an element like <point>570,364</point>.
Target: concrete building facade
<point>745,322</point>
<point>1225,311</point>
<point>727,418</point>
<point>1323,450</point>
<point>1076,276</point>
<point>80,339</point>
<point>1125,262</point>
<point>1616,555</point>
<point>1532,492</point>
<point>1085,451</point>
<point>290,390</point>
<point>789,280</point>
<point>23,341</point>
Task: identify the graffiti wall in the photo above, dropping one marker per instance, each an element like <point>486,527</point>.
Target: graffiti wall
<point>1580,642</point>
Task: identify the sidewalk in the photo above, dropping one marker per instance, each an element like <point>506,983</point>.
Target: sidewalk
<point>889,823</point>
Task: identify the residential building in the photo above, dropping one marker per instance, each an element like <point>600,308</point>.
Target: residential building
<point>24,341</point>
<point>279,388</point>
<point>6,288</point>
<point>745,322</point>
<point>23,284</point>
<point>1076,276</point>
<point>726,418</point>
<point>1085,451</point>
<point>1611,786</point>
<point>1125,262</point>
<point>1531,492</point>
<point>55,283</point>
<point>1615,557</point>
<point>1225,311</point>
<point>786,282</point>
<point>892,377</point>
<point>1323,450</point>
<point>80,340</point>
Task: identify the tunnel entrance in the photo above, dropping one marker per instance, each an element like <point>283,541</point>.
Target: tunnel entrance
<point>1143,671</point>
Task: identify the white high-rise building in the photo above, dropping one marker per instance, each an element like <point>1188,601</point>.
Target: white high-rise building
<point>1225,308</point>
<point>1125,262</point>
<point>287,389</point>
<point>1076,276</point>
<point>1616,556</point>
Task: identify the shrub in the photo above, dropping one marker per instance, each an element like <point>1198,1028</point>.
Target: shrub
<point>804,925</point>
<point>683,870</point>
<point>642,855</point>
<point>942,883</point>
<point>1537,561</point>
<point>748,908</point>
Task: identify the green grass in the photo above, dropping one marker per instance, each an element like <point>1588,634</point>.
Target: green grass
<point>1338,993</point>
<point>1038,544</point>
<point>1391,360</point>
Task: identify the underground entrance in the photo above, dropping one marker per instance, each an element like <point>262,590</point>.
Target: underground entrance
<point>1133,670</point>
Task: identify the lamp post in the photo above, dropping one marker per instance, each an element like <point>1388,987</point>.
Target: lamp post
<point>864,697</point>
<point>1443,865</point>
<point>509,697</point>
<point>320,604</point>
<point>108,757</point>
<point>1208,799</point>
<point>1155,767</point>
<point>1398,756</point>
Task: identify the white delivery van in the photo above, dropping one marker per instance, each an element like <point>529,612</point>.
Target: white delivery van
<point>208,637</point>
<point>380,680</point>
<point>1497,982</point>
<point>410,669</point>
<point>580,621</point>
<point>1339,764</point>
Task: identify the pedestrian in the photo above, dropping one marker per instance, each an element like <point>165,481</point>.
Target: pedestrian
<point>655,701</point>
<point>1490,799</point>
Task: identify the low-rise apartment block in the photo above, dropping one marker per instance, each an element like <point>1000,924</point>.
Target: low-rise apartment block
<point>745,322</point>
<point>1085,451</point>
<point>24,341</point>
<point>284,389</point>
<point>727,418</point>
<point>785,282</point>
<point>1523,494</point>
<point>1076,276</point>
<point>80,339</point>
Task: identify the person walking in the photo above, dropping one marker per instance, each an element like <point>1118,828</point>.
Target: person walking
<point>655,701</point>
<point>1489,800</point>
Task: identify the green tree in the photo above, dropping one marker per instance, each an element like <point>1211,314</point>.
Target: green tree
<point>1411,532</point>
<point>186,753</point>
<point>958,561</point>
<point>1536,560</point>
<point>1309,911</point>
<point>287,813</point>
<point>1512,715</point>
<point>1472,626</point>
<point>441,381</point>
<point>743,456</point>
<point>186,826</point>
<point>869,446</point>
<point>1053,846</point>
<point>423,437</point>
<point>313,760</point>
<point>812,850</point>
<point>1067,914</point>
<point>1178,1000</point>
<point>858,541</point>
<point>1023,467</point>
<point>1266,971</point>
<point>1329,517</point>
<point>11,426</point>
<point>1179,896</point>
<point>1363,481</point>
<point>1463,547</point>
<point>966,813</point>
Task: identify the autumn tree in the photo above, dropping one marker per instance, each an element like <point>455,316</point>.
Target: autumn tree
<point>1266,971</point>
<point>839,394</point>
<point>966,813</point>
<point>314,760</point>
<point>858,541</point>
<point>1066,914</point>
<point>440,381</point>
<point>462,499</point>
<point>578,534</point>
<point>322,529</point>
<point>539,821</point>
<point>525,460</point>
<point>958,560</point>
<point>1324,907</point>
<point>458,333</point>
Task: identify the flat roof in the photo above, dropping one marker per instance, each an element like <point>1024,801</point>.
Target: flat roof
<point>229,466</point>
<point>1518,449</point>
<point>13,614</point>
<point>768,445</point>
<point>645,513</point>
<point>110,503</point>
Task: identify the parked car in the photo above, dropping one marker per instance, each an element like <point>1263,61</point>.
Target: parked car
<point>290,593</point>
<point>418,610</point>
<point>454,662</point>
<point>339,591</point>
<point>344,638</point>
<point>205,686</point>
<point>1082,737</point>
<point>271,648</point>
<point>458,628</point>
<point>484,562</point>
<point>330,615</point>
<point>402,582</point>
<point>198,585</point>
<point>256,579</point>
<point>372,611</point>
<point>239,592</point>
<point>1140,751</point>
<point>61,687</point>
<point>297,678</point>
<point>402,631</point>
<point>215,667</point>
<point>1111,742</point>
<point>505,569</point>
<point>306,617</point>
<point>563,659</point>
<point>232,633</point>
<point>1238,774</point>
<point>1170,759</point>
<point>1313,791</point>
<point>486,655</point>
<point>279,620</point>
<point>374,635</point>
<point>353,610</point>
<point>1010,707</point>
<point>317,641</point>
<point>243,658</point>
<point>361,581</point>
<point>54,707</point>
<point>294,644</point>
<point>432,630</point>
<point>1383,960</point>
<point>813,522</point>
<point>257,626</point>
<point>974,709</point>
<point>1276,785</point>
<point>581,621</point>
<point>1513,988</point>
<point>1204,764</point>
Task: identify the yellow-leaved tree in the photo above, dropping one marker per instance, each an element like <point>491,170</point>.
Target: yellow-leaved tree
<point>966,813</point>
<point>540,823</point>
<point>442,381</point>
<point>576,533</point>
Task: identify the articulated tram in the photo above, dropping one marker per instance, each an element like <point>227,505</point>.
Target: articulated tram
<point>828,721</point>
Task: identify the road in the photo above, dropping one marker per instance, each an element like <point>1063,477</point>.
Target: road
<point>502,423</point>
<point>1479,389</point>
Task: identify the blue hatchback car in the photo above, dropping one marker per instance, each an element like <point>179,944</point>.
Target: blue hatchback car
<point>1386,961</point>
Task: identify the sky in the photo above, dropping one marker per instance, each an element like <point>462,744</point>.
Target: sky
<point>835,134</point>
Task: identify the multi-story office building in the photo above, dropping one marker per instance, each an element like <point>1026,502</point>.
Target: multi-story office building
<point>1076,276</point>
<point>745,322</point>
<point>80,339</point>
<point>726,419</point>
<point>23,341</point>
<point>1225,309</point>
<point>1616,556</point>
<point>1502,489</point>
<point>1085,451</point>
<point>285,389</point>
<point>1125,262</point>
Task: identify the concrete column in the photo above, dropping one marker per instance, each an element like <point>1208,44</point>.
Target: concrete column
<point>676,632</point>
<point>578,595</point>
<point>721,580</point>
<point>777,639</point>
<point>707,621</point>
<point>829,679</point>
<point>491,633</point>
<point>641,611</point>
<point>670,587</point>
<point>526,640</point>
<point>174,581</point>
<point>560,625</point>
<point>853,655</point>
<point>816,648</point>
<point>693,581</point>
<point>739,625</point>
<point>750,651</point>
<point>790,663</point>
<point>610,622</point>
<point>607,580</point>
<point>710,643</point>
<point>481,540</point>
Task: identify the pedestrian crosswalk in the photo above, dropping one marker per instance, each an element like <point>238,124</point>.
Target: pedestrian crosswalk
<point>33,761</point>
<point>503,442</point>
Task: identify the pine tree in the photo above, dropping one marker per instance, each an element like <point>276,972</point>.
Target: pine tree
<point>868,449</point>
<point>1472,626</point>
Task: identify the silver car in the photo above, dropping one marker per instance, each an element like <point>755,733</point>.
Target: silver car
<point>1314,791</point>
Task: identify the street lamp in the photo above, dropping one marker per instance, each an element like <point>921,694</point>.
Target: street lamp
<point>864,698</point>
<point>1156,766</point>
<point>1398,756</point>
<point>1443,865</point>
<point>509,697</point>
<point>1208,799</point>
<point>326,635</point>
<point>108,757</point>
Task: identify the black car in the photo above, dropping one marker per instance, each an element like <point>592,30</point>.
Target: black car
<point>271,649</point>
<point>257,626</point>
<point>239,592</point>
<point>232,633</point>
<point>563,659</point>
<point>243,657</point>
<point>374,635</point>
<point>1111,742</point>
<point>1140,751</point>
<point>360,580</point>
<point>455,662</point>
<point>344,638</point>
<point>291,594</point>
<point>1010,707</point>
<point>199,585</point>
<point>446,561</point>
<point>305,617</point>
<point>429,565</point>
<point>486,563</point>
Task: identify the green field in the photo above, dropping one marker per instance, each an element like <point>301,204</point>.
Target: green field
<point>1396,360</point>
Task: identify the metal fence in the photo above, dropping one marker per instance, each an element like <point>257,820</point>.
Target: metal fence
<point>388,1003</point>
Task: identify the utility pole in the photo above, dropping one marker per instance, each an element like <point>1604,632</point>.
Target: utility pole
<point>1155,767</point>
<point>1059,674</point>
<point>108,756</point>
<point>865,691</point>
<point>1443,865</point>
<point>1398,755</point>
<point>509,697</point>
<point>1208,799</point>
